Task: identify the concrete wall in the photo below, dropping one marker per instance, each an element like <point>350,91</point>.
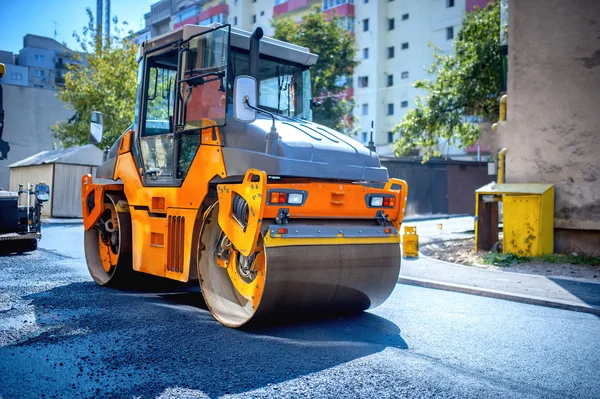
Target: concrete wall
<point>29,113</point>
<point>553,128</point>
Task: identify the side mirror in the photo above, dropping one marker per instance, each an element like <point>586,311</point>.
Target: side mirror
<point>244,93</point>
<point>96,127</point>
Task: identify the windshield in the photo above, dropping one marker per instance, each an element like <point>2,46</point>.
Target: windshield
<point>283,87</point>
<point>203,74</point>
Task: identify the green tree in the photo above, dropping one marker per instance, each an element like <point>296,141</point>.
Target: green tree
<point>103,80</point>
<point>465,90</point>
<point>336,49</point>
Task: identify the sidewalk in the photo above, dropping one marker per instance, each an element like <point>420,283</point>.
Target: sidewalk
<point>560,292</point>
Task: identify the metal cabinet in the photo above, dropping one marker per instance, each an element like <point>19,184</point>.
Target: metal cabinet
<point>528,216</point>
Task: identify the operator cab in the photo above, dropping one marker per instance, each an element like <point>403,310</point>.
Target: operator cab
<point>185,85</point>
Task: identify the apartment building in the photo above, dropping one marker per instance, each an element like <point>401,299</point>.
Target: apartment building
<point>41,63</point>
<point>393,39</point>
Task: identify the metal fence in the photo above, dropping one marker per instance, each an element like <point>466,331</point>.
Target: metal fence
<point>439,186</point>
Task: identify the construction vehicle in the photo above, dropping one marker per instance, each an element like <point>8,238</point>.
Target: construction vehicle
<point>223,178</point>
<point>20,225</point>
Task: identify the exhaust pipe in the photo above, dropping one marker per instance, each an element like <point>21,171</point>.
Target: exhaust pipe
<point>254,52</point>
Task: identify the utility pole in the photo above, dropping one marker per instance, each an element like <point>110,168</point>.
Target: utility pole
<point>107,21</point>
<point>98,25</point>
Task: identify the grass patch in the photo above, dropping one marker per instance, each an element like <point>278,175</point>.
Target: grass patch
<point>503,260</point>
<point>579,259</point>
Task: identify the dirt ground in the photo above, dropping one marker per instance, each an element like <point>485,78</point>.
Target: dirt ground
<point>462,252</point>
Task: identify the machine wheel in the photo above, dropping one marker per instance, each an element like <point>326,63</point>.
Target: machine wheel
<point>291,280</point>
<point>108,245</point>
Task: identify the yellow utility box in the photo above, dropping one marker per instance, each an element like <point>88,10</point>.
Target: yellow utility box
<point>528,216</point>
<point>410,242</point>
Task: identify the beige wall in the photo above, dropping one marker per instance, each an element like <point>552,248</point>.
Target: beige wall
<point>553,128</point>
<point>32,174</point>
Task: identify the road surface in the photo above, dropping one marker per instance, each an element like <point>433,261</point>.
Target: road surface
<point>63,336</point>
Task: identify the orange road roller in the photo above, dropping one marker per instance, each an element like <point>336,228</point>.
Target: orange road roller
<point>224,179</point>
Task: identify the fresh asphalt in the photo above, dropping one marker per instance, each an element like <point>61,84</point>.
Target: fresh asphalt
<point>63,336</point>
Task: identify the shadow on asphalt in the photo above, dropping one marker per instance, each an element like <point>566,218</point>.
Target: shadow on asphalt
<point>142,343</point>
<point>588,293</point>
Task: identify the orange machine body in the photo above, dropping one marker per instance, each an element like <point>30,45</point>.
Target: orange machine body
<point>167,221</point>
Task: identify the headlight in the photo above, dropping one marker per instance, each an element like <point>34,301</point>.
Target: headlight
<point>295,198</point>
<point>376,201</point>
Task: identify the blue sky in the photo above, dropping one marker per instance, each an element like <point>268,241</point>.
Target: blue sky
<point>20,17</point>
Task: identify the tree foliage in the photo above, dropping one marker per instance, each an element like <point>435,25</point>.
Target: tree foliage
<point>465,90</point>
<point>103,80</point>
<point>336,49</point>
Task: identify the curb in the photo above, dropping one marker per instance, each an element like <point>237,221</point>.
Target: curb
<point>532,300</point>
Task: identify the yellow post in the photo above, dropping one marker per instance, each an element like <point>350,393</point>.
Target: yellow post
<point>410,242</point>
<point>503,101</point>
<point>502,166</point>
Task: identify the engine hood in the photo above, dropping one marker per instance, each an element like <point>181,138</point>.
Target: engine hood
<point>305,149</point>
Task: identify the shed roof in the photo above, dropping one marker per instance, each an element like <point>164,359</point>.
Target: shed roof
<point>84,155</point>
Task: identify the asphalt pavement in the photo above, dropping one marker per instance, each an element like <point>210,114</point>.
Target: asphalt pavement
<point>63,336</point>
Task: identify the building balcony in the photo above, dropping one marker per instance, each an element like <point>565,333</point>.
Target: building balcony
<point>217,13</point>
<point>59,81</point>
<point>345,9</point>
<point>159,12</point>
<point>293,5</point>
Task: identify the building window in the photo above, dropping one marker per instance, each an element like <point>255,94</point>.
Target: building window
<point>365,109</point>
<point>254,18</point>
<point>365,24</point>
<point>390,109</point>
<point>366,53</point>
<point>449,3</point>
<point>405,17</point>
<point>235,20</point>
<point>16,76</point>
<point>364,137</point>
<point>450,33</point>
<point>363,81</point>
<point>405,46</point>
<point>38,73</point>
<point>390,80</point>
<point>390,52</point>
<point>391,24</point>
<point>262,13</point>
<point>390,137</point>
<point>404,104</point>
<point>39,57</point>
<point>404,75</point>
<point>366,1</point>
<point>38,86</point>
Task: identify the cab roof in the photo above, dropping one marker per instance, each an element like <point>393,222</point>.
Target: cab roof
<point>239,39</point>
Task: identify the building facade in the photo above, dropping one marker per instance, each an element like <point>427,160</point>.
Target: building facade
<point>393,39</point>
<point>551,131</point>
<point>41,63</point>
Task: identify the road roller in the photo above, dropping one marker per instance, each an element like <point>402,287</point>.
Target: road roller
<point>223,178</point>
